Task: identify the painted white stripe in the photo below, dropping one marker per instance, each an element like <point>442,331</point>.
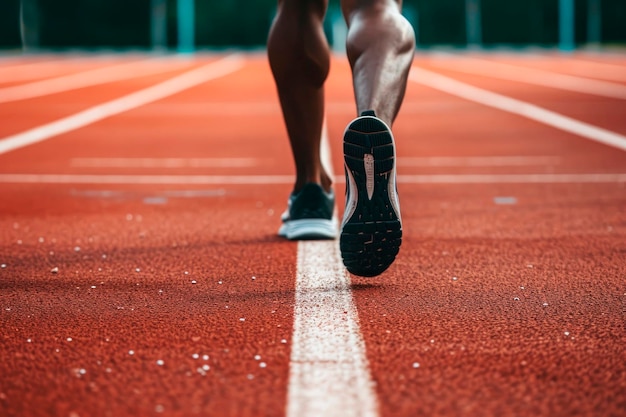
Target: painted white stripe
<point>567,64</point>
<point>167,88</point>
<point>164,162</point>
<point>28,70</point>
<point>288,179</point>
<point>494,69</point>
<point>145,179</point>
<point>108,74</point>
<point>478,161</point>
<point>329,373</point>
<point>592,69</point>
<point>53,66</point>
<point>513,179</point>
<point>530,111</point>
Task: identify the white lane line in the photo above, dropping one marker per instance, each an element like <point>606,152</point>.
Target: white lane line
<point>53,66</point>
<point>567,65</point>
<point>513,179</point>
<point>431,161</point>
<point>164,162</point>
<point>329,373</point>
<point>145,179</point>
<point>288,179</point>
<point>164,89</point>
<point>592,69</point>
<point>494,69</point>
<point>530,111</point>
<point>478,161</point>
<point>89,78</point>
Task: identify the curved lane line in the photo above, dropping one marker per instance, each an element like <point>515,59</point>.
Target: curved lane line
<point>89,78</point>
<point>57,65</point>
<point>156,92</point>
<point>521,108</point>
<point>528,75</point>
<point>593,69</point>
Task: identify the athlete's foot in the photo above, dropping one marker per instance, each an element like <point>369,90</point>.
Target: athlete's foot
<point>309,214</point>
<point>371,230</point>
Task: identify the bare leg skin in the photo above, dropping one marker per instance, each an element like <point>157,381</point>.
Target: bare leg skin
<point>299,57</point>
<point>380,47</point>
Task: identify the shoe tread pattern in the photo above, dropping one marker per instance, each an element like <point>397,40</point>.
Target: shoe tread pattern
<point>371,238</point>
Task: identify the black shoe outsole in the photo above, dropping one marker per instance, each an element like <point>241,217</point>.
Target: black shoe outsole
<point>371,238</point>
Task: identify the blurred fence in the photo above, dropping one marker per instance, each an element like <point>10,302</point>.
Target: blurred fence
<point>51,24</point>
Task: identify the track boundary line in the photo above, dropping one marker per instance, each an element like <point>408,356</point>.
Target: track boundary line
<point>521,108</point>
<point>89,78</point>
<point>174,85</point>
<point>164,162</point>
<point>145,179</point>
<point>512,179</point>
<point>529,75</point>
<point>329,373</point>
<point>604,70</point>
<point>478,161</point>
<point>244,162</point>
<point>52,66</point>
<point>95,179</point>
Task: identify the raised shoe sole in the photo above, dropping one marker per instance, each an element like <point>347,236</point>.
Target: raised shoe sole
<point>371,232</point>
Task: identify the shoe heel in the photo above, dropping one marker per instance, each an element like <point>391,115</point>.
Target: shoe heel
<point>372,235</point>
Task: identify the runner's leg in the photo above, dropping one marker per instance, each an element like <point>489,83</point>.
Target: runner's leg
<point>380,47</point>
<point>300,60</point>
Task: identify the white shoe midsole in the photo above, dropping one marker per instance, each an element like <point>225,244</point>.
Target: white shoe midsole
<point>309,228</point>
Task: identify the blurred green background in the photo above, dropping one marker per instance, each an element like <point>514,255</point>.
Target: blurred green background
<point>126,24</point>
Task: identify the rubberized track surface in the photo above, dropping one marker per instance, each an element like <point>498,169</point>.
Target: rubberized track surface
<point>141,274</point>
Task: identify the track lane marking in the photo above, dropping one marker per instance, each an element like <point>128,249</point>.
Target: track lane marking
<point>10,178</point>
<point>52,66</point>
<point>593,69</point>
<point>521,108</point>
<point>429,161</point>
<point>572,64</point>
<point>164,162</point>
<point>478,161</point>
<point>512,178</point>
<point>528,75</point>
<point>144,179</point>
<point>139,98</point>
<point>329,374</point>
<point>90,78</point>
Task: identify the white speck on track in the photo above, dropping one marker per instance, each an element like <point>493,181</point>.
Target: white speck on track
<point>329,372</point>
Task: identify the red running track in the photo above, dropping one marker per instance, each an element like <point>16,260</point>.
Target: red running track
<point>141,274</point>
